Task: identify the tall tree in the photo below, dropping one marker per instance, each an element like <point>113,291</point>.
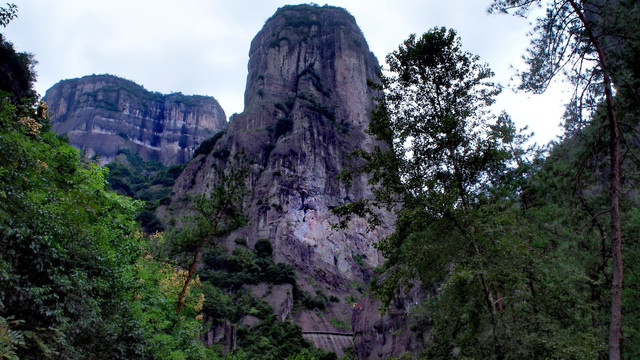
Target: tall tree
<point>450,173</point>
<point>216,213</point>
<point>580,38</point>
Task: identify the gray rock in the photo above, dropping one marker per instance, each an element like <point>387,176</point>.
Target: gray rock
<point>279,297</point>
<point>102,114</point>
<point>379,336</point>
<point>307,108</point>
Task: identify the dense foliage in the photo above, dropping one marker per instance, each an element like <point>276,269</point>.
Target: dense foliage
<point>510,248</point>
<point>73,280</point>
<point>594,44</point>
<point>149,181</point>
<point>567,195</point>
<point>226,280</point>
<point>68,245</point>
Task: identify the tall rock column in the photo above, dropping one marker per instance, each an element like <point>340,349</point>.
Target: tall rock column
<point>307,107</point>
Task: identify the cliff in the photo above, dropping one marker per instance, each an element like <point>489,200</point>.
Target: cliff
<point>307,107</point>
<point>102,114</point>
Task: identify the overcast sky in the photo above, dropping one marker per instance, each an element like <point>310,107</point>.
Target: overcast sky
<point>201,46</point>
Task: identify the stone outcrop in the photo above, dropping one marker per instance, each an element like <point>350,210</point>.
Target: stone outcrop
<point>378,336</point>
<point>279,297</point>
<point>332,341</point>
<point>307,107</point>
<point>103,114</point>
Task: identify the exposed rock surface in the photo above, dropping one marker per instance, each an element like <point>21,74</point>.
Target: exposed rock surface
<point>223,334</point>
<point>279,297</point>
<point>102,114</point>
<point>335,342</point>
<point>379,336</point>
<point>307,107</point>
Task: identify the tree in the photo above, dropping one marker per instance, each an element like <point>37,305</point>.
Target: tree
<point>442,152</point>
<point>17,73</point>
<point>67,246</point>
<point>571,185</point>
<point>432,119</point>
<point>586,40</point>
<point>437,110</point>
<point>216,213</point>
<point>168,335</point>
<point>470,227</point>
<point>7,14</point>
<point>451,172</point>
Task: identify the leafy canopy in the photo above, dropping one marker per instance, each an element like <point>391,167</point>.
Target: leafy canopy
<point>453,174</point>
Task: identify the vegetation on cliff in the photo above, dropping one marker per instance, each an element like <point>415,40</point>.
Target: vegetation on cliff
<point>510,244</point>
<point>149,181</point>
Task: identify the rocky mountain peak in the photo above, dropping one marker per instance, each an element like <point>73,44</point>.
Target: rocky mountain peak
<point>103,114</point>
<point>307,106</point>
<point>323,49</point>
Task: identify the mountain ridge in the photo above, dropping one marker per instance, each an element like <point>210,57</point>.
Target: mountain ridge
<point>104,114</point>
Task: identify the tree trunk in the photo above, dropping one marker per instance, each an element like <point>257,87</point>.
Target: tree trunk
<point>186,282</point>
<point>615,329</point>
<point>196,255</point>
<point>615,326</point>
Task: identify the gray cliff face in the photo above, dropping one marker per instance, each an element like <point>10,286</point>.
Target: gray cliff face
<point>307,106</point>
<point>378,336</point>
<point>102,114</point>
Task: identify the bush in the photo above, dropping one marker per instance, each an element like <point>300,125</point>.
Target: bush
<point>284,273</point>
<point>220,154</point>
<point>263,248</point>
<point>310,302</point>
<point>176,170</point>
<point>207,145</point>
<point>283,126</point>
<point>148,220</point>
<point>271,339</point>
<point>217,304</point>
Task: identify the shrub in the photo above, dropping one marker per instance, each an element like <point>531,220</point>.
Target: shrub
<point>271,339</point>
<point>263,248</point>
<point>284,273</point>
<point>283,126</point>
<point>207,145</point>
<point>310,302</point>
<point>220,154</point>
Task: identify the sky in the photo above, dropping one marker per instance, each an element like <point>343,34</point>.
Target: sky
<point>201,46</point>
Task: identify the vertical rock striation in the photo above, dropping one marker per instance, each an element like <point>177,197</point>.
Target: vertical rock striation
<point>307,108</point>
<point>102,114</point>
